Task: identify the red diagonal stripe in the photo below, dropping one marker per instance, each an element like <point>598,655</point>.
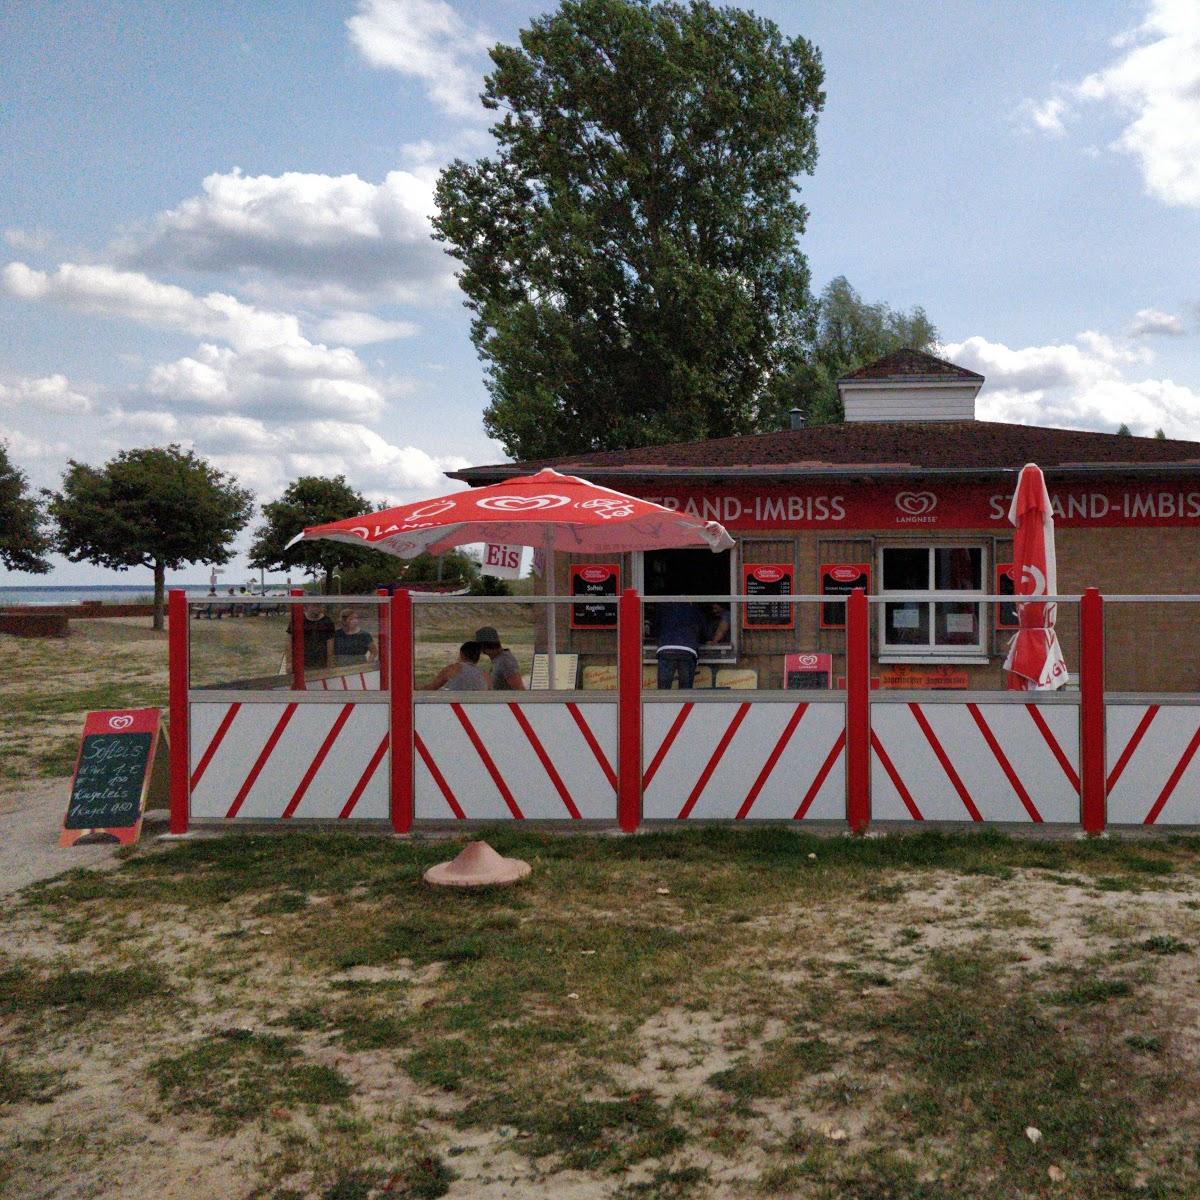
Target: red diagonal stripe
<point>361,785</point>
<point>772,759</point>
<point>1180,767</point>
<point>544,759</point>
<point>714,759</point>
<point>894,776</point>
<point>1055,748</point>
<point>217,738</point>
<point>486,759</point>
<point>672,733</point>
<point>1005,765</point>
<point>944,759</point>
<point>590,738</point>
<point>815,786</point>
<point>1131,746</point>
<point>319,758</point>
<point>261,761</point>
<point>438,777</point>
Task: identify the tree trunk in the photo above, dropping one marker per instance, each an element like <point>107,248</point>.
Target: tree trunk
<point>160,581</point>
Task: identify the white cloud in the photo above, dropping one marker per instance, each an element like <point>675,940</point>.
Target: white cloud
<point>30,241</point>
<point>1149,322</point>
<point>361,329</point>
<point>1077,386</point>
<point>429,41</point>
<point>1154,84</point>
<point>44,394</point>
<point>128,295</point>
<point>333,239</point>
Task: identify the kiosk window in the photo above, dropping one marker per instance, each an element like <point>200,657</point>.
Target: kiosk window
<point>691,573</point>
<point>949,622</point>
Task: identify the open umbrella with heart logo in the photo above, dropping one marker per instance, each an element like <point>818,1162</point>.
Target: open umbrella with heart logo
<point>1035,659</point>
<point>546,510</point>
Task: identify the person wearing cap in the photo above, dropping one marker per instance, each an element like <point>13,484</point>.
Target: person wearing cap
<point>506,673</point>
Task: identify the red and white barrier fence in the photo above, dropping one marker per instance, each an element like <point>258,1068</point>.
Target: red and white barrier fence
<point>342,749</point>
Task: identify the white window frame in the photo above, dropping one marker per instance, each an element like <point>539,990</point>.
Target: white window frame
<point>707,654</point>
<point>929,595</point>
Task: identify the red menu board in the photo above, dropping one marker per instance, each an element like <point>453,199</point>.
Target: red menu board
<point>840,579</point>
<point>804,671</point>
<point>1006,585</point>
<point>595,580</point>
<point>768,579</point>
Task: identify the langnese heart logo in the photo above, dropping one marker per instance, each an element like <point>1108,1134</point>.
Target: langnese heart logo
<point>521,503</point>
<point>122,722</point>
<point>916,504</point>
<point>807,660</point>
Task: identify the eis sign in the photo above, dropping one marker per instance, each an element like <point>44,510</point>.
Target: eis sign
<point>938,506</point>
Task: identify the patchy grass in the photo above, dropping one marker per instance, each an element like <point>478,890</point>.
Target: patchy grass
<point>19,1085</point>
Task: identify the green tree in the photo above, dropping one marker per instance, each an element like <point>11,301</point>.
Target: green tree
<point>162,507</point>
<point>631,252</point>
<point>23,539</point>
<point>848,333</point>
<point>1124,430</point>
<point>1160,434</point>
<point>312,500</point>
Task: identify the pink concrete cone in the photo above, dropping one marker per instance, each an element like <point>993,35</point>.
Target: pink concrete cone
<point>477,866</point>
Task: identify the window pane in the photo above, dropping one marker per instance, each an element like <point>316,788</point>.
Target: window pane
<point>958,568</point>
<point>956,624</point>
<point>906,570</point>
<point>906,624</point>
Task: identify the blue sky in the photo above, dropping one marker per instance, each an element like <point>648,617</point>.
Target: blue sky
<point>215,220</point>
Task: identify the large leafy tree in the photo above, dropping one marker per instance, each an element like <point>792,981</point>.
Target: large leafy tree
<point>161,507</point>
<point>23,540</point>
<point>848,333</point>
<point>310,500</point>
<point>631,252</point>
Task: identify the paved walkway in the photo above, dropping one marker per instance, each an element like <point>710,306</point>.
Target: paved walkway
<point>31,817</point>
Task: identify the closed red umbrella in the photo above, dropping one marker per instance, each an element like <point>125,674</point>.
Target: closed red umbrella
<point>1035,660</point>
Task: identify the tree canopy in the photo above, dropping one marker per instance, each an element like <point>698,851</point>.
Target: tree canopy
<point>847,333</point>
<point>23,538</point>
<point>161,507</point>
<point>311,500</point>
<point>631,251</point>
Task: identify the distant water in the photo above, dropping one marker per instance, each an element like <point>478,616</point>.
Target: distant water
<point>114,593</point>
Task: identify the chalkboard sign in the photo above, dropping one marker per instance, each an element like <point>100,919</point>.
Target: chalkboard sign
<point>1006,585</point>
<point>840,579</point>
<point>806,672</point>
<point>594,579</point>
<point>768,579</point>
<point>112,775</point>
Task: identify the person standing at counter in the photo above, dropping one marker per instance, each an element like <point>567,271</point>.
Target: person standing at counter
<point>318,634</point>
<point>680,631</point>
<point>350,644</point>
<point>506,671</point>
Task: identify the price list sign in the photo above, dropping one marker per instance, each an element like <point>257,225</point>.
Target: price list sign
<point>840,579</point>
<point>595,580</point>
<point>112,775</point>
<point>768,579</point>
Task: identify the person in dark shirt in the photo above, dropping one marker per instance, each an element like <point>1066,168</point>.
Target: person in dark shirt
<point>318,634</point>
<point>680,631</point>
<point>350,643</point>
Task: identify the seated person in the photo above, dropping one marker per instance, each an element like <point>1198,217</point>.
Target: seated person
<point>717,626</point>
<point>350,644</point>
<point>463,675</point>
<point>318,635</point>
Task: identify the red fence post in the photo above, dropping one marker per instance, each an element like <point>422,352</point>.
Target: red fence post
<point>629,711</point>
<point>400,706</point>
<point>384,664</point>
<point>858,711</point>
<point>296,616</point>
<point>1093,767</point>
<point>177,709</point>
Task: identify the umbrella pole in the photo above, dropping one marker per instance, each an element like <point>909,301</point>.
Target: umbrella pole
<point>551,623</point>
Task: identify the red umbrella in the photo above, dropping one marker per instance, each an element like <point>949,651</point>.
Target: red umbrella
<point>546,510</point>
<point>1035,659</point>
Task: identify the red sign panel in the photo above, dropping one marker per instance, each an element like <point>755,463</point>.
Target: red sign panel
<point>916,506</point>
<point>840,579</point>
<point>594,579</point>
<point>807,670</point>
<point>768,579</point>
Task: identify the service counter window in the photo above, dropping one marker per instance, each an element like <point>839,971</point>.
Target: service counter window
<point>691,573</point>
<point>938,617</point>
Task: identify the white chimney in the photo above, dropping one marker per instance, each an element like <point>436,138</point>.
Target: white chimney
<point>910,385</point>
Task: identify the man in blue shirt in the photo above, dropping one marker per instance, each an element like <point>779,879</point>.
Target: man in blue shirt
<point>680,629</point>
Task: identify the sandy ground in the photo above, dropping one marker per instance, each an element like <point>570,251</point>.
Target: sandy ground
<point>31,818</point>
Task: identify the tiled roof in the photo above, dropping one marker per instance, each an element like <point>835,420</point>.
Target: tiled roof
<point>866,447</point>
<point>911,365</point>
